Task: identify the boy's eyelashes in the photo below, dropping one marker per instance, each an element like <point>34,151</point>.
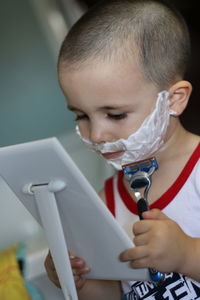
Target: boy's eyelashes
<point>119,116</point>
<point>81,117</point>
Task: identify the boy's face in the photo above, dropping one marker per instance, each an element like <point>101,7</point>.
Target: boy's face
<point>110,101</point>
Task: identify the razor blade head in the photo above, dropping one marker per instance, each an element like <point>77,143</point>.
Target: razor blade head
<point>145,165</point>
<point>139,180</point>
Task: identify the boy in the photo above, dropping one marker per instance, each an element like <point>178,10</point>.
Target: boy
<point>121,68</point>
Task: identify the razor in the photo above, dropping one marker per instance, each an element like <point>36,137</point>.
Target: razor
<point>139,177</point>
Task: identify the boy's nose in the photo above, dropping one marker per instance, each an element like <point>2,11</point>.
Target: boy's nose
<point>99,134</point>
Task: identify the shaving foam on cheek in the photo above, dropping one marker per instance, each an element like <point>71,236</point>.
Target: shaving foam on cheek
<point>140,145</point>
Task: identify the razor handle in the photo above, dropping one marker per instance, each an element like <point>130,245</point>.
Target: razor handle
<point>142,206</point>
<point>156,276</point>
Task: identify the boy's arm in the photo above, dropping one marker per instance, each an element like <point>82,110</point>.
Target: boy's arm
<point>100,290</point>
<point>191,267</point>
<point>161,244</point>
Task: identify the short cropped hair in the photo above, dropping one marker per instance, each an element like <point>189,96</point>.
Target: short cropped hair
<point>150,30</point>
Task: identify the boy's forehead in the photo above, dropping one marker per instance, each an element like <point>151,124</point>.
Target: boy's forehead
<point>100,66</point>
<point>103,74</point>
<point>104,85</point>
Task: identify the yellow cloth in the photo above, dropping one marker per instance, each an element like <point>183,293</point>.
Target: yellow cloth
<point>11,282</point>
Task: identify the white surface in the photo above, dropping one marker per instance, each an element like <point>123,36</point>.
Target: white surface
<point>35,272</point>
<point>36,252</point>
<point>90,230</point>
<point>49,214</point>
<point>16,223</point>
<point>47,289</point>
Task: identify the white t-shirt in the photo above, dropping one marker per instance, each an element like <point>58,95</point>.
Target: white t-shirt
<point>181,202</point>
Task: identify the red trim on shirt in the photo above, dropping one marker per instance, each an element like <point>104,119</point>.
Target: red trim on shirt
<point>109,192</point>
<point>168,196</point>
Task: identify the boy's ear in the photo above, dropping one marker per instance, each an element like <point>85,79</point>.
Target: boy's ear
<point>179,94</point>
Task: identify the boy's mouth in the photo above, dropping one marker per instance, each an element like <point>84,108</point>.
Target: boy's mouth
<point>112,155</point>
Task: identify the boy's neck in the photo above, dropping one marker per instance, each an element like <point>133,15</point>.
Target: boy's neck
<point>179,142</point>
<point>171,160</point>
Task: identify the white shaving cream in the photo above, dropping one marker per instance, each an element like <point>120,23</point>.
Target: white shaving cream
<point>140,145</point>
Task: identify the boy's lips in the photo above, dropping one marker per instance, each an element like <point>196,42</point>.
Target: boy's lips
<point>112,155</point>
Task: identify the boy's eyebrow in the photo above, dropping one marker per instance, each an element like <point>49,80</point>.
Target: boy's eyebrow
<point>106,107</point>
<point>112,107</point>
<point>72,108</point>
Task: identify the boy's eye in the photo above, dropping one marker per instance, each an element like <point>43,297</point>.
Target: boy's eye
<point>117,116</point>
<point>81,117</point>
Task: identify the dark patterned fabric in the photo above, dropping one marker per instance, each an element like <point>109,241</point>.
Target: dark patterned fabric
<point>175,287</point>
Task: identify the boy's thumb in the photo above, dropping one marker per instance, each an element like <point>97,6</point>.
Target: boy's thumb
<point>154,214</point>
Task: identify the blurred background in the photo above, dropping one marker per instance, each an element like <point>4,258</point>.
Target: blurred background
<point>32,105</point>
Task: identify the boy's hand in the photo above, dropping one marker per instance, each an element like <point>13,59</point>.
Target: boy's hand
<point>160,244</point>
<point>78,268</point>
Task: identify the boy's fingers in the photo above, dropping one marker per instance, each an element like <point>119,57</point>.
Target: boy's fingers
<point>154,214</point>
<point>79,266</point>
<point>140,263</point>
<point>134,253</point>
<point>80,272</point>
<point>141,227</point>
<point>77,263</point>
<point>141,239</point>
<point>79,282</point>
